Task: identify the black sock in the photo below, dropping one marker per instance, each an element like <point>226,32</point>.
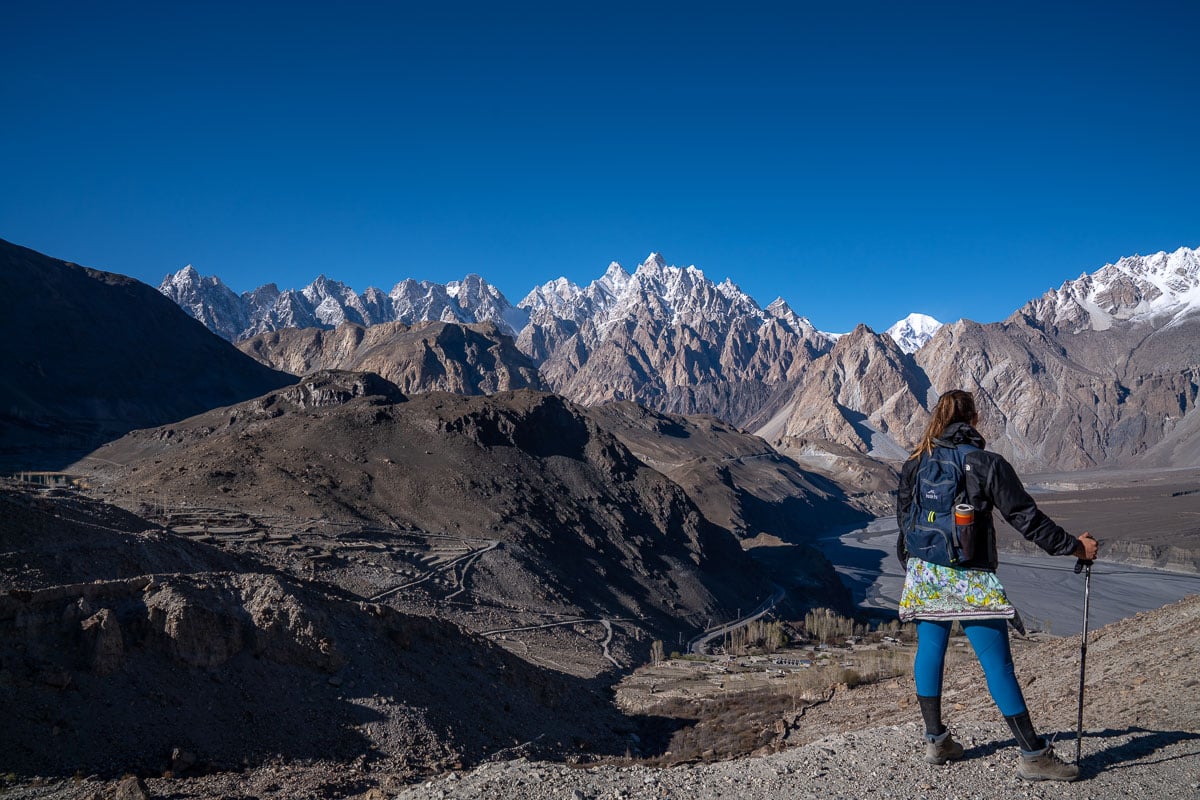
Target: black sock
<point>931,712</point>
<point>1027,738</point>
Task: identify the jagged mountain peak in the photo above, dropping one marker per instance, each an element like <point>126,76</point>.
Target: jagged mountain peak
<point>912,332</point>
<point>324,286</point>
<point>728,288</point>
<point>781,311</point>
<point>654,260</point>
<point>206,299</point>
<point>860,335</point>
<point>186,276</point>
<point>266,287</point>
<point>679,295</point>
<point>554,294</point>
<point>471,283</point>
<point>613,281</point>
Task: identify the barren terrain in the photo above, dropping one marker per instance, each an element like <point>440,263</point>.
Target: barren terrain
<point>1144,517</point>
<point>233,655</point>
<point>1142,736</point>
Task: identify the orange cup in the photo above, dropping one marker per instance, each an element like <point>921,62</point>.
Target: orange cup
<point>964,514</point>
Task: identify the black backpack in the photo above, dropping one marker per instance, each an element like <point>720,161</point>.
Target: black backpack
<point>940,483</point>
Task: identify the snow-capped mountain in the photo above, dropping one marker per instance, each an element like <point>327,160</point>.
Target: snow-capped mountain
<point>912,332</point>
<point>668,337</point>
<point>1135,288</point>
<point>565,300</point>
<point>327,303</point>
<point>681,295</point>
<point>479,301</point>
<point>1105,368</point>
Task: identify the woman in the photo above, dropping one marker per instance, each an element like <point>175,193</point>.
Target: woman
<point>969,592</point>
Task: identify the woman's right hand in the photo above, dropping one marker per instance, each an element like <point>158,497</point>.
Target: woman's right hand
<point>1087,547</point>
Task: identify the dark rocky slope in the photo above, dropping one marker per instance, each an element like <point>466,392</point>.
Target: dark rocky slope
<point>127,648</point>
<point>91,355</point>
<point>580,524</point>
<point>773,506</point>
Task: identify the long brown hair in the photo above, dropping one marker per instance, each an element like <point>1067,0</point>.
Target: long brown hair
<point>953,406</point>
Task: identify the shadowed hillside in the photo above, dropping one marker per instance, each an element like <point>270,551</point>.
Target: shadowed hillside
<point>579,524</point>
<point>91,355</point>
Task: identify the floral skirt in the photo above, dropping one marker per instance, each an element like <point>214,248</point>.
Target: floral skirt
<point>932,591</point>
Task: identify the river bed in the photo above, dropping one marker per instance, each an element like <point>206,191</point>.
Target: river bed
<point>1045,589</point>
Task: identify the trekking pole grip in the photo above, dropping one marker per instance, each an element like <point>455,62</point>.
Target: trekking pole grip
<point>1080,564</point>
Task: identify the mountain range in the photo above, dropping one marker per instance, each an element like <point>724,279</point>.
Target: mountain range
<point>266,569</point>
<point>347,555</point>
<point>1101,371</point>
<point>326,303</point>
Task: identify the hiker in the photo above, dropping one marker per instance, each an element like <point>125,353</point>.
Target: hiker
<point>937,594</point>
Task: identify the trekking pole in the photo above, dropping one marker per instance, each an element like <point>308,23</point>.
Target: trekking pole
<point>1086,568</point>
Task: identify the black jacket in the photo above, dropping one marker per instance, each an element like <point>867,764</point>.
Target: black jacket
<point>991,483</point>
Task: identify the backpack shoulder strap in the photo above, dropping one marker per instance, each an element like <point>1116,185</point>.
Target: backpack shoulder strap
<point>960,458</point>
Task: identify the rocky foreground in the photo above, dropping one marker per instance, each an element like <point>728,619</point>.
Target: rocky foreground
<point>1142,740</point>
<point>873,763</point>
<point>1142,734</point>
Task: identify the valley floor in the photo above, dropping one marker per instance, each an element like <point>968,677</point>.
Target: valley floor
<point>1045,589</point>
<point>1147,521</point>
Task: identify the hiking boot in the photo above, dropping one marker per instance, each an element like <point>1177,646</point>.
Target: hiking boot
<point>1045,766</point>
<point>940,749</point>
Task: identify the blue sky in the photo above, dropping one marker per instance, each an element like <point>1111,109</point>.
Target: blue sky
<point>862,160</point>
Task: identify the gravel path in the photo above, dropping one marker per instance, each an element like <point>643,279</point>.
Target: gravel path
<point>875,763</point>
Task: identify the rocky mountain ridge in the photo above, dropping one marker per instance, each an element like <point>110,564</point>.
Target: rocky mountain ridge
<point>424,357</point>
<point>327,303</point>
<point>1101,371</point>
<point>579,525</point>
<point>1135,288</point>
<point>682,292</point>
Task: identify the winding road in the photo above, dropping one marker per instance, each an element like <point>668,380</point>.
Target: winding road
<point>449,565</point>
<point>699,645</point>
<point>604,645</point>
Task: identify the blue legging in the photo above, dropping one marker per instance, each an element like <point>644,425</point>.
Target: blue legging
<point>989,637</point>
